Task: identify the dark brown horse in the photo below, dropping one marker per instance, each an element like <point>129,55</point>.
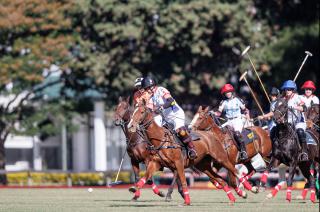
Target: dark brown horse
<point>136,143</point>
<point>203,120</point>
<point>168,153</point>
<point>312,116</point>
<point>286,149</point>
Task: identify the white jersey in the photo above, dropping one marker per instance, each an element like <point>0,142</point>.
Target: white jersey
<point>308,100</point>
<point>231,107</point>
<point>173,114</point>
<point>296,117</point>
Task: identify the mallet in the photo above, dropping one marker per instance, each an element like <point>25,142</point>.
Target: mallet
<point>306,57</point>
<point>243,77</point>
<point>116,182</point>
<point>254,68</point>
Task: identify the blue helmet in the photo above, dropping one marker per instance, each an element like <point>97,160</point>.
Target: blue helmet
<point>289,84</point>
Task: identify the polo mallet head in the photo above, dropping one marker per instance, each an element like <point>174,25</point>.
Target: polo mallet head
<point>243,76</point>
<point>115,183</point>
<point>308,53</point>
<point>245,51</point>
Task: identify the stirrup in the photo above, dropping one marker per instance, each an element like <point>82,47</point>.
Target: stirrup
<point>243,155</point>
<point>192,154</point>
<point>303,156</point>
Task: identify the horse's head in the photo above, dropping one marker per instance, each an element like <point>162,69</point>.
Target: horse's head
<point>141,114</point>
<point>280,111</point>
<point>200,119</point>
<point>312,115</point>
<point>122,111</point>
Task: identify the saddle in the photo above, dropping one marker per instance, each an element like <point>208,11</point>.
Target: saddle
<point>310,138</point>
<point>248,136</point>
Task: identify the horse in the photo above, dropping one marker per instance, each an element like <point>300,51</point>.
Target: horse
<point>136,144</point>
<point>286,149</point>
<point>205,120</point>
<point>169,153</point>
<point>312,116</point>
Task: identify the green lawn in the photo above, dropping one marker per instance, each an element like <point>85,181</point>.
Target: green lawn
<point>119,200</point>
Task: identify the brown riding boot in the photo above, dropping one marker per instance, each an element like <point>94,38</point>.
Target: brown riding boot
<point>186,139</point>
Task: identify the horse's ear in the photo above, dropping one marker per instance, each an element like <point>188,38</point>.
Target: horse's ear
<point>200,108</point>
<point>120,99</point>
<point>128,99</point>
<point>206,109</point>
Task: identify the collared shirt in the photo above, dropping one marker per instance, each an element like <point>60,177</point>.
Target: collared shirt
<point>231,107</point>
<point>307,100</point>
<point>295,116</point>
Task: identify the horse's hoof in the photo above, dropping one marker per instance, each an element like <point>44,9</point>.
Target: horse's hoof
<point>299,197</point>
<point>262,189</point>
<point>134,199</point>
<point>254,189</point>
<point>168,198</point>
<point>231,203</point>
<point>244,195</point>
<point>269,196</point>
<point>133,189</point>
<point>161,194</point>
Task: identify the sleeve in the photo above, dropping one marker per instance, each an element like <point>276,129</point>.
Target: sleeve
<point>164,93</point>
<point>241,104</point>
<point>221,106</point>
<point>315,100</point>
<point>300,100</point>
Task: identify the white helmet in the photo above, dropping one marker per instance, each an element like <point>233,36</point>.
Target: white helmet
<point>137,82</point>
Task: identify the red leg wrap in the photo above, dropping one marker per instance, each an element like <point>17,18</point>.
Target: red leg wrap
<point>276,189</point>
<point>229,193</point>
<point>186,196</point>
<point>245,183</point>
<point>137,194</point>
<point>239,192</point>
<point>264,177</point>
<point>288,197</point>
<point>313,195</point>
<point>304,193</point>
<point>155,188</point>
<point>141,182</point>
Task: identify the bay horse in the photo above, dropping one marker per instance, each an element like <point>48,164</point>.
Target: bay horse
<point>312,116</point>
<point>136,144</point>
<point>205,120</point>
<point>169,153</point>
<point>286,149</point>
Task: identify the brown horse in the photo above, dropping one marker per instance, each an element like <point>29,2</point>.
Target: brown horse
<point>312,116</point>
<point>136,143</point>
<point>203,120</point>
<point>169,153</point>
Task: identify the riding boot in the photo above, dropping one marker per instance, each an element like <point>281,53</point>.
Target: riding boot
<point>186,139</point>
<point>302,140</point>
<point>243,152</point>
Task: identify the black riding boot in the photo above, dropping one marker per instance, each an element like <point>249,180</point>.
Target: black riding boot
<point>243,151</point>
<point>303,142</point>
<point>186,139</point>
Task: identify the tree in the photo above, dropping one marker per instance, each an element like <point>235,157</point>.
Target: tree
<point>186,45</point>
<point>35,36</point>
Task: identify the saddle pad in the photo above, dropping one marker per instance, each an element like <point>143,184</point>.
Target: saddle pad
<point>310,139</point>
<point>248,136</point>
<point>194,136</point>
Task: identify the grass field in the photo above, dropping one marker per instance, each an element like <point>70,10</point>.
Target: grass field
<point>119,200</point>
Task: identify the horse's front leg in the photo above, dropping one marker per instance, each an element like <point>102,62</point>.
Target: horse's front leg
<point>136,170</point>
<point>292,170</point>
<point>179,166</point>
<point>263,180</point>
<point>171,187</point>
<point>151,168</point>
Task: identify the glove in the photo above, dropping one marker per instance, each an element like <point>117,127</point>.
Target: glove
<point>158,110</point>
